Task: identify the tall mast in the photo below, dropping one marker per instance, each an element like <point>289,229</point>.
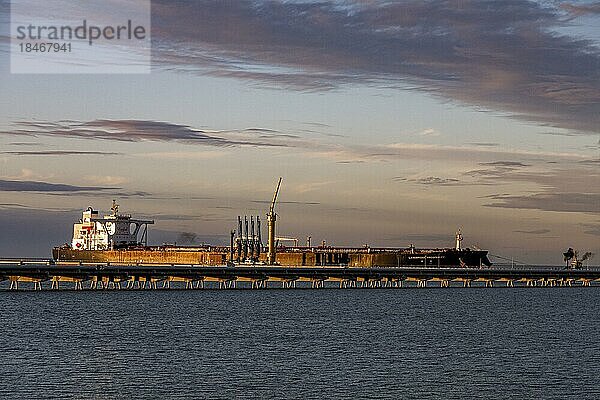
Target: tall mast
<point>271,218</point>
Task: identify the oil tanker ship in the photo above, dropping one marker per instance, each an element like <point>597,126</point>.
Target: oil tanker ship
<point>120,239</point>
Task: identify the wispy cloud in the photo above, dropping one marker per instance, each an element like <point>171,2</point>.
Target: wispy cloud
<point>453,153</point>
<point>105,180</point>
<point>483,144</point>
<point>571,189</point>
<point>576,10</point>
<point>27,174</point>
<point>161,131</point>
<point>430,132</point>
<point>35,186</point>
<point>493,54</point>
<point>561,133</point>
<point>559,180</point>
<point>507,164</point>
<point>587,203</point>
<point>533,231</point>
<point>152,131</point>
<point>592,229</point>
<point>309,187</point>
<point>185,155</point>
<point>431,181</point>
<point>59,153</point>
<point>594,162</point>
<point>24,144</point>
<point>496,170</point>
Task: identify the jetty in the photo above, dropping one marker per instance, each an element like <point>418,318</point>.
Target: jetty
<point>39,274</point>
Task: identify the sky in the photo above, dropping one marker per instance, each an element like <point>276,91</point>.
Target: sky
<point>391,122</point>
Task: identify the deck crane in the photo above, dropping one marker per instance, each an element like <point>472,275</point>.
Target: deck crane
<point>271,218</point>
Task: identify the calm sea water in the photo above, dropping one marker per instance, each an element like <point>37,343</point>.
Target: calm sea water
<point>393,343</point>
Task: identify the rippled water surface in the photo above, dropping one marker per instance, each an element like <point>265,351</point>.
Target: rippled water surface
<point>393,343</point>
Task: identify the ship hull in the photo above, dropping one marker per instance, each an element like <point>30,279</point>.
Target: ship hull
<point>141,256</point>
<point>309,257</point>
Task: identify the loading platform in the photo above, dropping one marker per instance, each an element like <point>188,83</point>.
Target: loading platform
<point>44,274</point>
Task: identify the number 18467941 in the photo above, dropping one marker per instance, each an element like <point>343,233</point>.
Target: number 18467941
<point>45,47</point>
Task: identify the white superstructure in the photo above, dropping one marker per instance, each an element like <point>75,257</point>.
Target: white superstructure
<point>112,231</point>
<point>459,239</point>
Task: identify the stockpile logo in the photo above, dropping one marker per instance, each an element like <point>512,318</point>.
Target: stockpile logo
<point>80,36</point>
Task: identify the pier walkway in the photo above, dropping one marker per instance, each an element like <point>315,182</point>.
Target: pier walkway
<point>39,274</point>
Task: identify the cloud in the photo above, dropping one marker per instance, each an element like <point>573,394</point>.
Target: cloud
<point>105,180</point>
<point>59,153</point>
<point>430,132</point>
<point>592,229</point>
<point>576,10</point>
<point>27,174</point>
<point>562,189</point>
<point>587,203</point>
<point>483,144</point>
<point>310,187</point>
<point>152,131</point>
<point>433,152</point>
<point>24,144</point>
<point>560,180</point>
<point>434,180</point>
<point>431,181</point>
<point>12,205</point>
<point>34,186</point>
<point>534,231</point>
<point>565,133</point>
<point>510,164</point>
<point>595,162</point>
<point>185,155</point>
<point>108,193</point>
<point>494,55</point>
<point>208,217</point>
<point>466,153</point>
<point>496,170</point>
<point>351,162</point>
<point>547,181</point>
<point>161,131</point>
